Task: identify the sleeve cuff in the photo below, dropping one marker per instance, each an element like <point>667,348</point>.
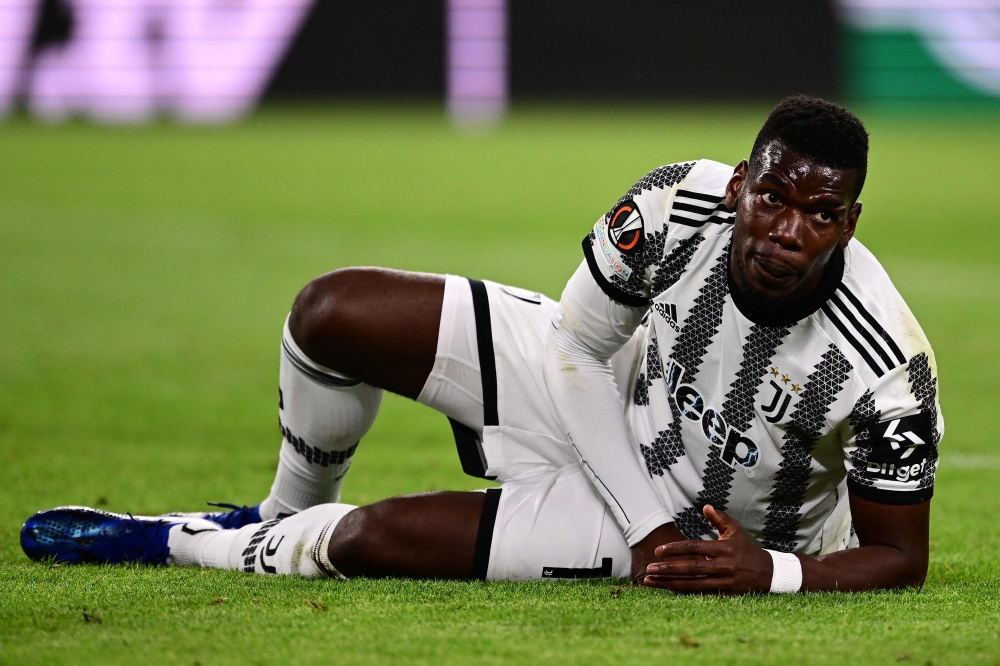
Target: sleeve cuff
<point>611,290</point>
<point>897,497</point>
<point>638,531</point>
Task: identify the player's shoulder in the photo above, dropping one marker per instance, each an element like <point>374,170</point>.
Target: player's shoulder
<point>684,195</point>
<point>873,318</point>
<point>706,178</point>
<point>699,200</point>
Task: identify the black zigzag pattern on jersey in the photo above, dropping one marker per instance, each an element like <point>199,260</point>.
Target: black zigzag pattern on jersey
<point>670,270</point>
<point>673,266</point>
<point>654,370</point>
<point>738,411</point>
<point>250,552</point>
<point>702,323</point>
<point>923,383</point>
<point>661,177</point>
<point>782,517</point>
<point>652,251</point>
<point>697,331</point>
<point>863,417</point>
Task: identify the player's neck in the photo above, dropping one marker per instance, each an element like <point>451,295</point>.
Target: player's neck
<point>784,311</point>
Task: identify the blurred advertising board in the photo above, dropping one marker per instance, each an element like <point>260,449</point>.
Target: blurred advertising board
<point>213,60</point>
<point>921,50</point>
<point>128,60</point>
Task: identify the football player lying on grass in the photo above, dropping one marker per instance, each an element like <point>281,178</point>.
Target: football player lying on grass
<point>730,397</point>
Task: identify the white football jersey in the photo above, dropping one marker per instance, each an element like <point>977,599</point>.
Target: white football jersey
<point>770,418</point>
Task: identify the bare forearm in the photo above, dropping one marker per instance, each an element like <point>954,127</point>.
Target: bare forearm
<point>893,553</point>
<point>867,568</point>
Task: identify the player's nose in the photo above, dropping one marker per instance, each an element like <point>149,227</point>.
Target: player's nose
<point>788,230</point>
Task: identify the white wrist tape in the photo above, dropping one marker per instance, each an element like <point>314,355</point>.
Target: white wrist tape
<point>787,574</point>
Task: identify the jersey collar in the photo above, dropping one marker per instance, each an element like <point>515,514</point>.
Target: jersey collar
<point>792,314</point>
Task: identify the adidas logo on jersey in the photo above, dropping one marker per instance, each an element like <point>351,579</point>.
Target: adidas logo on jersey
<point>669,313</point>
<point>737,450</point>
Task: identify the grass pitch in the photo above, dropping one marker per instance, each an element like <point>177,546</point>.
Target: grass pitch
<point>144,277</point>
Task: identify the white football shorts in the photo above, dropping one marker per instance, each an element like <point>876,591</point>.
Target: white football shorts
<point>546,520</point>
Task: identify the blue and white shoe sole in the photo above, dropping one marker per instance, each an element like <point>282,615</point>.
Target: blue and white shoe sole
<point>79,534</point>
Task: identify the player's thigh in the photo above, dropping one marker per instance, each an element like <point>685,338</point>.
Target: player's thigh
<point>555,526</point>
<point>373,324</point>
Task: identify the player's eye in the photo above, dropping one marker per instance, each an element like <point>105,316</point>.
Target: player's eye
<point>824,216</point>
<point>770,198</point>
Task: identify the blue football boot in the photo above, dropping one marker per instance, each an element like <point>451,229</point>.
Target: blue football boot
<point>75,534</point>
<point>235,518</point>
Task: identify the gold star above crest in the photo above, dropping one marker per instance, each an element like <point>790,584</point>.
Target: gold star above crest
<point>796,388</point>
<point>774,371</point>
<point>785,379</point>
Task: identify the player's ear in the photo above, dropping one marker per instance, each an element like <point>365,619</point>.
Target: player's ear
<point>851,226</point>
<point>733,188</point>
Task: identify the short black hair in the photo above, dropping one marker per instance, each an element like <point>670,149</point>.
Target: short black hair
<point>817,130</point>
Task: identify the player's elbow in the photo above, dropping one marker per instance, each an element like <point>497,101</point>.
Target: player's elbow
<point>911,570</point>
<point>917,572</point>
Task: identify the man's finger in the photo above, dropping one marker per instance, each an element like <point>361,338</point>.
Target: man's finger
<point>720,520</point>
<point>712,585</point>
<point>693,547</point>
<point>689,568</point>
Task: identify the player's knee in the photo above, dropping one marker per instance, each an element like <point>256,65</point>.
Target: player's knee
<point>324,310</point>
<point>359,541</point>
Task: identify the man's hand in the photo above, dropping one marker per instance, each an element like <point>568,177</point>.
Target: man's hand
<point>644,552</point>
<point>732,565</point>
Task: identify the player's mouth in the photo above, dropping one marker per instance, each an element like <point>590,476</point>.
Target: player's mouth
<point>773,270</point>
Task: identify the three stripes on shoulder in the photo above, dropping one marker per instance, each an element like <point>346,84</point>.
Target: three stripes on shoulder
<point>696,209</point>
<point>863,331</point>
